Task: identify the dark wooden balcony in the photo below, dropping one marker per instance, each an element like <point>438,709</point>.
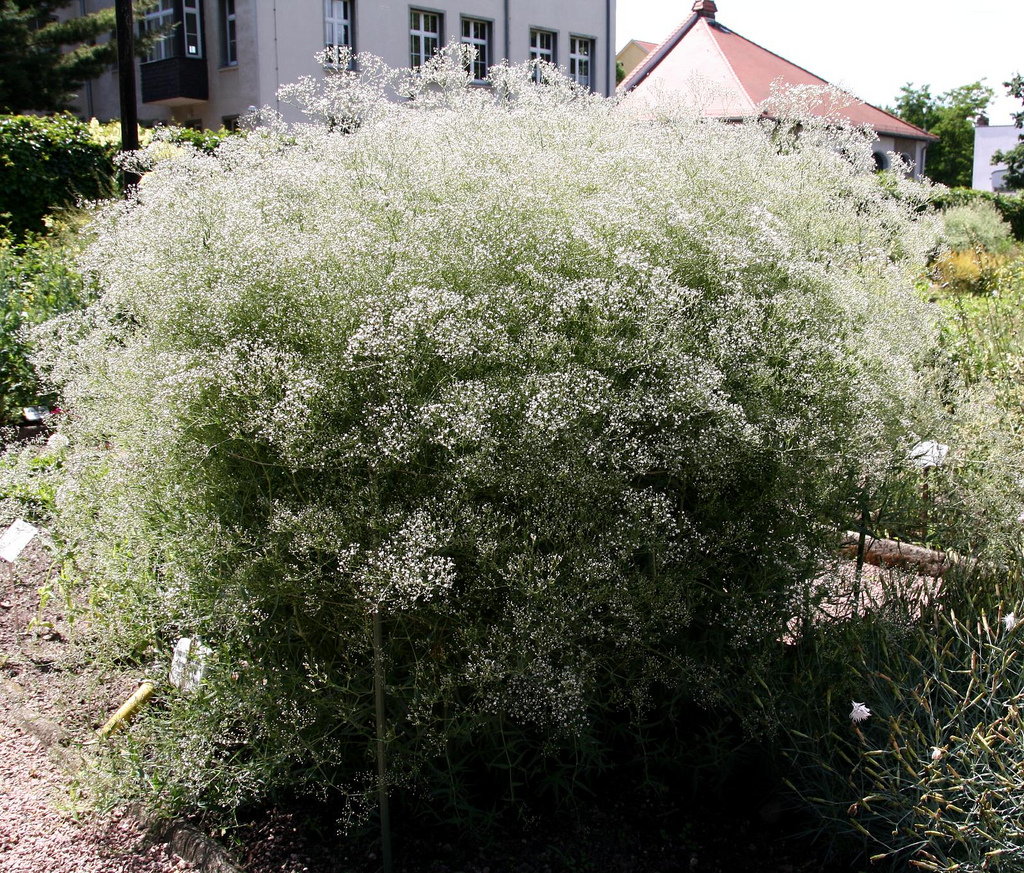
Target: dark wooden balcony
<point>175,81</point>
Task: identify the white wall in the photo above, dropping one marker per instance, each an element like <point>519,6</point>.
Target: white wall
<point>915,149</point>
<point>989,139</point>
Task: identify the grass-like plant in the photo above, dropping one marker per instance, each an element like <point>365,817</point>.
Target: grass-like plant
<point>571,396</point>
<point>931,777</point>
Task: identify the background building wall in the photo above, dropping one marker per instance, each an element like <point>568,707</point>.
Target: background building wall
<point>989,139</point>
<point>277,41</point>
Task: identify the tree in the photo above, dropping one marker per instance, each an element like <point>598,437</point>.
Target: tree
<point>1014,158</point>
<point>43,60</point>
<point>951,118</point>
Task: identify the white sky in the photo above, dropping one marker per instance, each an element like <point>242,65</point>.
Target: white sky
<point>870,49</point>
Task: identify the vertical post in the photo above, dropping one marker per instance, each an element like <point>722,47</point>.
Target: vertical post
<point>924,505</point>
<point>125,32</point>
<point>382,787</point>
<point>864,519</point>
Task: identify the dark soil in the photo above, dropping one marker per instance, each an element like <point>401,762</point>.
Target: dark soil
<point>608,838</point>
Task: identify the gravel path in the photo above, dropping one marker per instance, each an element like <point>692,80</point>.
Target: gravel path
<point>40,828</point>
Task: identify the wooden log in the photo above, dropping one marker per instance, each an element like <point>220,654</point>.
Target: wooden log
<point>893,553</point>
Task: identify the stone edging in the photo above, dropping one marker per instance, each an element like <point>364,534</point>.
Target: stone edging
<point>185,840</point>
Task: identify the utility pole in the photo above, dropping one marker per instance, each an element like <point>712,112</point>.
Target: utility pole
<point>125,32</point>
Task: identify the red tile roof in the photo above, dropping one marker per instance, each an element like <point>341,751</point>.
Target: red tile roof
<point>743,73</point>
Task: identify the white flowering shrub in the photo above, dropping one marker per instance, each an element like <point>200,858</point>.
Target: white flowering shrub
<point>571,395</point>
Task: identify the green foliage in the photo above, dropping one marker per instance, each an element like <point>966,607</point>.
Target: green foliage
<point>572,400</point>
<point>1010,206</point>
<point>109,134</point>
<point>982,335</point>
<point>44,60</point>
<point>951,118</point>
<point>37,281</point>
<point>1014,158</point>
<point>48,164</point>
<point>29,478</point>
<point>204,140</point>
<point>976,225</point>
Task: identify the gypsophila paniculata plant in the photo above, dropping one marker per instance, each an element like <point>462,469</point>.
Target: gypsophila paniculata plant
<point>572,395</point>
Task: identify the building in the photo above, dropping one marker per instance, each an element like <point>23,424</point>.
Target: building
<point>738,75</point>
<point>633,53</point>
<point>989,139</point>
<point>225,56</point>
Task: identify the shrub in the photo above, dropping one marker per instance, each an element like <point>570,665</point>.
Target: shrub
<point>48,164</point>
<point>109,134</point>
<point>570,399</point>
<point>976,225</point>
<point>1010,206</point>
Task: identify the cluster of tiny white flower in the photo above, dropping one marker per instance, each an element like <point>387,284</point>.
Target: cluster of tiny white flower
<point>539,374</point>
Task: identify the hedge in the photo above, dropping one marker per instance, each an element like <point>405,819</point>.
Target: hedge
<point>46,164</point>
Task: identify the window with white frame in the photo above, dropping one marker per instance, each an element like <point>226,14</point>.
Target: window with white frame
<point>337,24</point>
<point>228,34</point>
<point>424,36</point>
<point>542,48</point>
<point>581,52</point>
<point>477,34</point>
<point>159,17</point>
<point>193,32</point>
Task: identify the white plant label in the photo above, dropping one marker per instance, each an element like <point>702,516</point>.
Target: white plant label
<point>188,663</point>
<point>928,454</point>
<point>16,537</point>
<point>35,413</point>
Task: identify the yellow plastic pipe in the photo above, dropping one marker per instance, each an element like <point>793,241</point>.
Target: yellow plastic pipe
<point>127,709</point>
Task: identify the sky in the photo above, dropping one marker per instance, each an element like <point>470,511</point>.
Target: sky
<point>870,49</point>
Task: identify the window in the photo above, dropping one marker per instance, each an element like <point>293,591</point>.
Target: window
<point>477,34</point>
<point>228,34</point>
<point>159,17</point>
<point>193,36</point>
<point>337,24</point>
<point>581,51</point>
<point>424,36</point>
<point>542,48</point>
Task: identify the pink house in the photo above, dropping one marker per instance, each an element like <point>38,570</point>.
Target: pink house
<point>739,74</point>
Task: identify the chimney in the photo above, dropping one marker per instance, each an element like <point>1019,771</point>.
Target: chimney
<point>705,8</point>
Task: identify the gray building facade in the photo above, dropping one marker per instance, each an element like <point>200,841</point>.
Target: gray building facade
<point>224,56</point>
